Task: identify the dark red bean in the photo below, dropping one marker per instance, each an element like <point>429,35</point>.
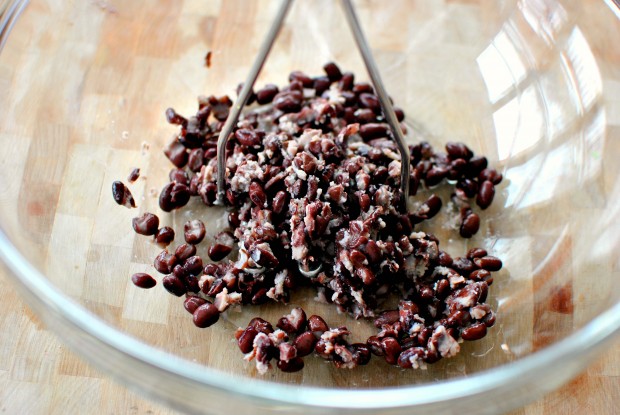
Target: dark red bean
<point>164,235</point>
<point>481,275</point>
<point>206,315</point>
<point>173,118</point>
<point>374,344</point>
<point>246,340</point>
<point>195,160</point>
<point>288,101</point>
<point>289,366</point>
<point>463,266</point>
<point>346,81</point>
<point>184,251</point>
<point>165,262</point>
<point>174,285</point>
<point>176,153</point>
<point>146,224</point>
<point>266,95</point>
<point>247,137</point>
<point>369,101</point>
<point>470,225</point>
<point>179,176</point>
<point>261,325</point>
<point>444,259</point>
<point>299,76</point>
<point>490,263</point>
<point>317,325</point>
<point>194,231</point>
<point>476,253</point>
<point>485,194</point>
<point>251,97</point>
<point>193,265</point>
<point>305,343</point>
<point>435,175</point>
<point>134,175</point>
<point>333,71</point>
<point>458,151</point>
<point>361,353</point>
<point>257,195</point>
<point>491,175</point>
<point>387,317</point>
<point>373,130</point>
<point>122,195</point>
<point>407,358</point>
<point>216,288</point>
<point>320,85</point>
<point>391,350</point>
<point>475,165</point>
<point>173,195</point>
<point>400,114</point>
<point>222,246</point>
<point>279,202</point>
<point>191,303</point>
<point>365,116</point>
<point>363,87</point>
<point>474,332</point>
<point>294,322</point>
<point>143,280</point>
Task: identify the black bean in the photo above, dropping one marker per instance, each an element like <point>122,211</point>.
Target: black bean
<point>490,263</point>
<point>257,195</point>
<point>266,95</point>
<point>146,224</point>
<point>173,118</point>
<point>485,194</point>
<point>321,84</point>
<point>164,235</point>
<point>474,332</point>
<point>458,151</point>
<point>222,246</point>
<point>191,303</point>
<point>317,325</point>
<point>491,175</point>
<point>194,231</point>
<point>165,262</point>
<point>261,325</point>
<point>470,225</point>
<point>369,101</point>
<point>333,71</point>
<point>361,353</point>
<point>463,266</point>
<point>476,253</point>
<point>288,101</point>
<point>143,280</point>
<point>305,343</point>
<point>289,366</point>
<point>373,130</point>
<point>195,161</point>
<point>184,251</point>
<point>173,195</point>
<point>299,76</point>
<point>179,176</point>
<point>475,165</point>
<point>247,137</point>
<point>206,315</point>
<point>346,81</point>
<point>176,153</point>
<point>391,350</point>
<point>134,175</point>
<point>387,317</point>
<point>122,195</point>
<point>174,285</point>
<point>246,339</point>
<point>407,357</point>
<point>193,265</point>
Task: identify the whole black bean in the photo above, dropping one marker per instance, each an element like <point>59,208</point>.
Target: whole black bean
<point>369,101</point>
<point>143,280</point>
<point>490,263</point>
<point>474,332</point>
<point>485,194</point>
<point>206,315</point>
<point>192,302</point>
<point>470,225</point>
<point>134,175</point>
<point>444,259</point>
<point>165,262</point>
<point>475,165</point>
<point>266,95</point>
<point>463,266</point>
<point>174,285</point>
<point>458,151</point>
<point>146,224</point>
<point>247,137</point>
<point>222,246</point>
<point>288,101</point>
<point>176,153</point>
<point>246,340</point>
<point>305,343</point>
<point>373,130</point>
<point>289,366</point>
<point>320,85</point>
<point>122,195</point>
<point>361,353</point>
<point>164,235</point>
<point>491,175</point>
<point>194,231</point>
<point>305,80</point>
<point>179,176</point>
<point>407,358</point>
<point>346,81</point>
<point>374,344</point>
<point>257,195</point>
<point>193,265</point>
<point>184,251</point>
<point>476,253</point>
<point>195,160</point>
<point>173,195</point>
<point>333,71</point>
<point>400,114</point>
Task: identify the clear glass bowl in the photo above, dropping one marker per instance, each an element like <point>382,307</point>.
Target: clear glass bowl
<point>528,83</point>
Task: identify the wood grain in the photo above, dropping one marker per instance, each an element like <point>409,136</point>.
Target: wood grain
<point>85,96</point>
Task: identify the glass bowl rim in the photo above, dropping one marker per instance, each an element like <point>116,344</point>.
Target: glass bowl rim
<point>596,334</point>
